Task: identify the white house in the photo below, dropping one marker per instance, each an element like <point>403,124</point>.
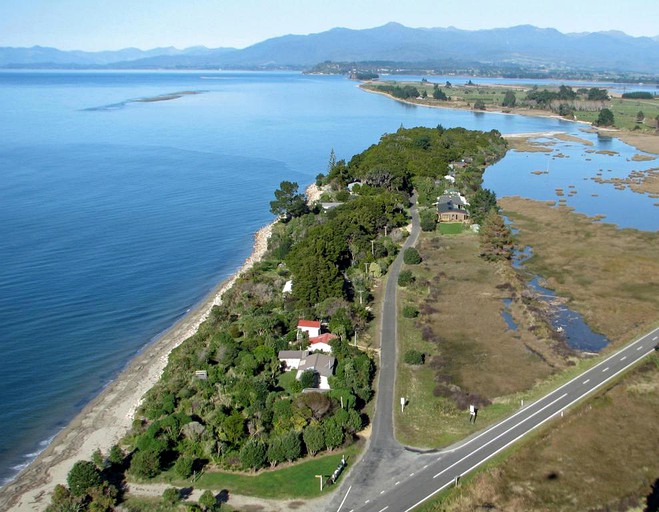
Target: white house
<point>322,342</point>
<point>292,358</point>
<point>311,327</point>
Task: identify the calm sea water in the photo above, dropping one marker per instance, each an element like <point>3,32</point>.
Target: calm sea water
<point>118,216</point>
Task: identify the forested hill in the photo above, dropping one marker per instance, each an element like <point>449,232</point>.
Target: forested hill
<point>226,400</point>
<point>526,46</point>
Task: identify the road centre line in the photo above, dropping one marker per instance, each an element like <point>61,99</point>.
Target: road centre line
<point>385,508</point>
<point>623,358</point>
<point>655,338</point>
<point>605,369</point>
<point>500,435</point>
<point>549,394</point>
<point>522,435</point>
<point>586,381</point>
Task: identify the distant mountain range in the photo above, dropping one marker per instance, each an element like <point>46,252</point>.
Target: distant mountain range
<point>523,45</point>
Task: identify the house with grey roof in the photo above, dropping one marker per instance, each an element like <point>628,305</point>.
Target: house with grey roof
<point>452,207</point>
<point>322,364</point>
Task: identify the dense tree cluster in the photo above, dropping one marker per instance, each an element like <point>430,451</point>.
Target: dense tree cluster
<point>91,485</point>
<point>401,158</point>
<point>638,95</point>
<point>604,118</point>
<point>224,398</point>
<point>403,92</point>
<point>496,238</point>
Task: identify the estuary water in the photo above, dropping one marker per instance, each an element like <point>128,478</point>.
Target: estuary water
<point>118,215</point>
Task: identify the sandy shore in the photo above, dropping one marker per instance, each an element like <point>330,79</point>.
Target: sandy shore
<point>105,420</point>
<point>646,142</point>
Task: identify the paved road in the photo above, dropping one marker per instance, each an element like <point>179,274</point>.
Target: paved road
<point>426,475</point>
<point>384,456</point>
<point>392,478</point>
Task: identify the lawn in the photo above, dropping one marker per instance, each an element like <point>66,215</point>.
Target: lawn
<point>294,481</point>
<point>450,228</point>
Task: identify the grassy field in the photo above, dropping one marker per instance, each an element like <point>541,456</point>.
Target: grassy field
<point>293,481</point>
<point>450,228</point>
<point>471,354</point>
<point>460,96</point>
<point>602,456</point>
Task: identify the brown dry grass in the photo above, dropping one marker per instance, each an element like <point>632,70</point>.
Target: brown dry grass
<point>602,456</point>
<point>611,275</point>
<point>466,341</point>
<point>571,138</point>
<point>643,182</point>
<point>643,141</point>
<point>528,146</point>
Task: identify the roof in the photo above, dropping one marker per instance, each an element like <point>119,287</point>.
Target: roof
<point>323,338</point>
<point>309,323</point>
<point>292,354</point>
<point>450,208</point>
<point>322,363</point>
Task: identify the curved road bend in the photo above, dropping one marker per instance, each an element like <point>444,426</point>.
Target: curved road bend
<point>430,474</point>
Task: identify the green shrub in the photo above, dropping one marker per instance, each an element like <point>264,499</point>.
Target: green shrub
<point>309,379</point>
<point>405,277</point>
<point>183,467</point>
<point>410,311</point>
<point>83,476</point>
<point>145,464</point>
<point>411,256</point>
<point>414,357</point>
<point>171,496</point>
<point>428,220</point>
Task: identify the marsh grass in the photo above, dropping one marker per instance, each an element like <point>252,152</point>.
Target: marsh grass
<point>471,354</point>
<point>610,275</point>
<point>600,456</point>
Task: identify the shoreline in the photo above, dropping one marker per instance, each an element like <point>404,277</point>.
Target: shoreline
<point>645,142</point>
<point>109,416</point>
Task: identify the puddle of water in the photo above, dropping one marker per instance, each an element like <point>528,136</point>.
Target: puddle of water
<point>508,318</point>
<point>569,323</point>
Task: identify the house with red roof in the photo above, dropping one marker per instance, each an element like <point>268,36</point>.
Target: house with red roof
<point>322,342</point>
<point>311,327</point>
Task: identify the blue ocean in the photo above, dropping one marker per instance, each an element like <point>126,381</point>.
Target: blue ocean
<point>118,215</point>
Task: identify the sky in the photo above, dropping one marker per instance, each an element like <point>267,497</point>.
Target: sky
<point>95,25</point>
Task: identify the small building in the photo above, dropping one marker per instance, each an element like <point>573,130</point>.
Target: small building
<point>201,374</point>
<point>292,358</point>
<point>452,207</point>
<point>330,205</point>
<point>322,342</point>
<point>322,364</point>
<point>288,287</point>
<point>311,327</point>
